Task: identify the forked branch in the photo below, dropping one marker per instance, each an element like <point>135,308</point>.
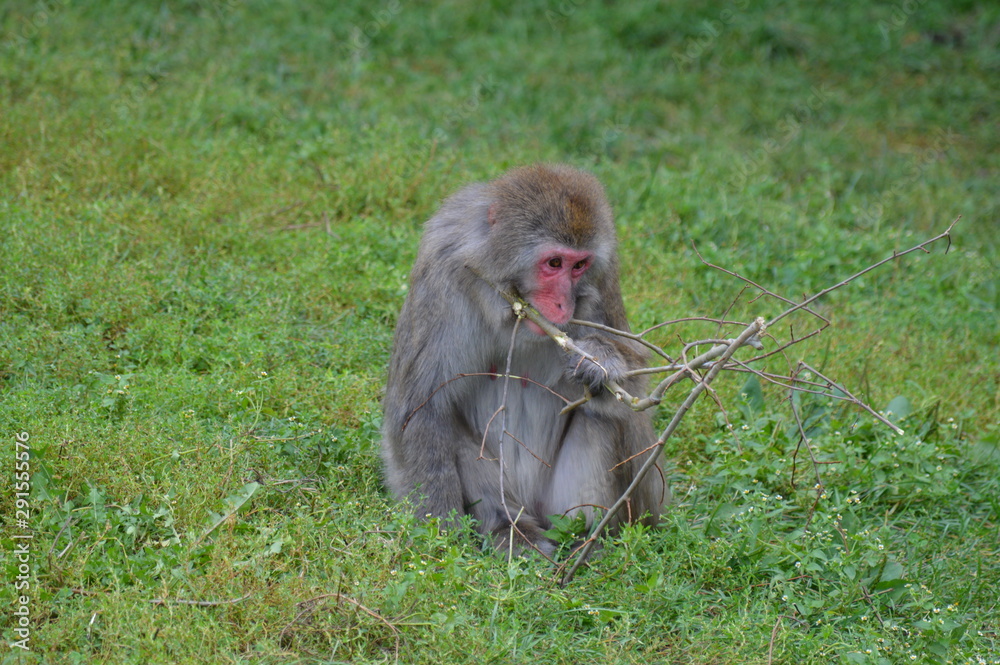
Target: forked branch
<point>717,359</point>
<point>714,360</point>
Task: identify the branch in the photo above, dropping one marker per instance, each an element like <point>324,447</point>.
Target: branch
<point>687,369</point>
<point>754,329</point>
<point>309,606</point>
<point>197,603</point>
<point>895,255</point>
<point>717,358</point>
<point>636,337</point>
<point>758,286</point>
<point>875,414</point>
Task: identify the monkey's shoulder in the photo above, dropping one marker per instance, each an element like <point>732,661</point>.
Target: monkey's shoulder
<point>462,220</point>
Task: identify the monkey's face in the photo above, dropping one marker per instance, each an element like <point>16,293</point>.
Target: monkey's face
<point>557,271</point>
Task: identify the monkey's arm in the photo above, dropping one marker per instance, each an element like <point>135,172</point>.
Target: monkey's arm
<point>422,463</point>
<point>614,356</point>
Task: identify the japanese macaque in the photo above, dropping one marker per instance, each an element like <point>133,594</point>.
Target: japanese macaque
<point>544,233</point>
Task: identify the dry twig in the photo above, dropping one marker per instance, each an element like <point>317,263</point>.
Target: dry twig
<point>714,360</point>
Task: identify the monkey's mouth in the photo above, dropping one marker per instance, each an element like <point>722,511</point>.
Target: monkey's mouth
<point>534,327</point>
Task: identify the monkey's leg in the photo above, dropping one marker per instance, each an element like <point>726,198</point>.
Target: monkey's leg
<point>481,486</point>
<point>423,467</point>
<point>581,479</point>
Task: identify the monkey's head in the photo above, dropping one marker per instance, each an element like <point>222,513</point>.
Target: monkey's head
<point>551,237</point>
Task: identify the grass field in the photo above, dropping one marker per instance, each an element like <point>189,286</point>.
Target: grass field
<point>208,214</point>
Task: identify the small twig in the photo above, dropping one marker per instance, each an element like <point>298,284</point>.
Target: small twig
<point>55,541</point>
<point>486,433</point>
<point>777,625</point>
<point>198,603</point>
<point>731,306</point>
<point>765,290</point>
<point>502,410</point>
<point>922,247</point>
<point>636,337</point>
<point>854,400</point>
<point>804,439</point>
<point>466,375</point>
<point>505,433</point>
<point>753,329</point>
<point>770,644</point>
<point>687,319</point>
<point>339,596</point>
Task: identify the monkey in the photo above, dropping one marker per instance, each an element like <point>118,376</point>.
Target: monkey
<point>546,234</point>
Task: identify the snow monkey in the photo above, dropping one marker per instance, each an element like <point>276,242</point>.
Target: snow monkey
<point>546,234</point>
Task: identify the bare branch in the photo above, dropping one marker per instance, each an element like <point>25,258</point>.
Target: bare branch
<point>922,247</point>
<point>758,286</point>
<point>875,414</point>
<point>309,606</point>
<point>504,432</point>
<point>198,603</point>
<point>627,335</point>
<point>701,370</point>
<point>718,351</point>
<point>753,329</point>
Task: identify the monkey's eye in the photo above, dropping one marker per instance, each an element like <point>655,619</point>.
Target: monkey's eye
<point>555,262</point>
<point>580,265</point>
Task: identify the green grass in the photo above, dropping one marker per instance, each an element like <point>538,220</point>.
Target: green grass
<point>209,210</point>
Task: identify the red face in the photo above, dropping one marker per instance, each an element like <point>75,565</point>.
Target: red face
<point>556,273</point>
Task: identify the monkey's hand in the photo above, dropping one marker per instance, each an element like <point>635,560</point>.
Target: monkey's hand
<point>610,364</point>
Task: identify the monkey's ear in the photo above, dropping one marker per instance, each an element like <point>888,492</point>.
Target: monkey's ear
<point>491,215</point>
